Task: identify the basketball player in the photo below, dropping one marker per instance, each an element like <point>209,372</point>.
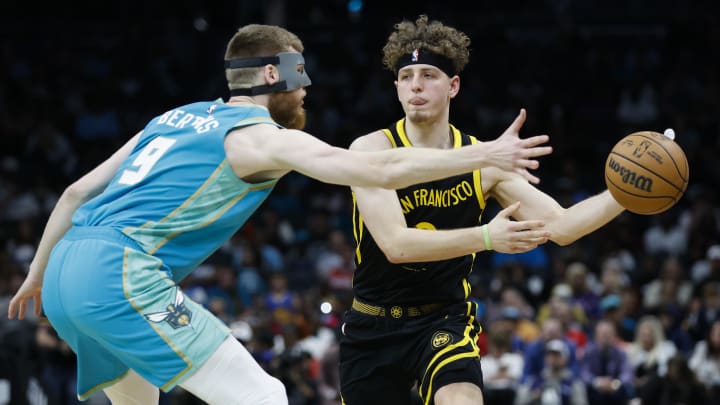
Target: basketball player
<point>121,238</point>
<point>411,321</point>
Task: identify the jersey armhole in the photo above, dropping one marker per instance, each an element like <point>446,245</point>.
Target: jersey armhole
<point>477,180</point>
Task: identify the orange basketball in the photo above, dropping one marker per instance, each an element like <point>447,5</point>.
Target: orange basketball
<point>646,172</point>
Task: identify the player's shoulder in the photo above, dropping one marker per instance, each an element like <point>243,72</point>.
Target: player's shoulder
<point>376,140</point>
<point>257,133</point>
<point>197,105</point>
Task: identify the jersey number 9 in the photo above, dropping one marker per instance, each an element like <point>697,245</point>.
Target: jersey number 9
<point>146,160</point>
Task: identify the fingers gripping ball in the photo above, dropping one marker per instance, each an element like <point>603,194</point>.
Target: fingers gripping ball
<point>647,172</point>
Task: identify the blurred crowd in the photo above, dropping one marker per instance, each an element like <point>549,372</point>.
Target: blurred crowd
<point>628,314</point>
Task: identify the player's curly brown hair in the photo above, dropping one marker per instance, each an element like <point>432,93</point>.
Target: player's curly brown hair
<point>431,35</point>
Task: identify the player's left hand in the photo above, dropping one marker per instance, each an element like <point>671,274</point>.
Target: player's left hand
<point>508,236</point>
<point>30,289</point>
<point>511,153</point>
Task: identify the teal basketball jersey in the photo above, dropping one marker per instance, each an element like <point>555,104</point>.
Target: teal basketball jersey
<point>176,194</point>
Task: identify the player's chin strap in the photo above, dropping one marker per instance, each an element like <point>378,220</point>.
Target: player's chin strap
<point>291,67</point>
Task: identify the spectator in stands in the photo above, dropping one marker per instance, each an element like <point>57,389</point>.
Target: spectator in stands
<point>665,236</point>
<point>678,386</point>
<point>630,312</point>
<point>573,319</point>
<point>705,361</point>
<point>561,301</point>
<point>295,371</point>
<point>223,299</point>
<point>501,367</point>
<point>576,276</point>
<point>612,277</point>
<point>510,297</point>
<point>514,311</point>
<point>610,309</point>
<point>707,267</point>
<point>670,287</point>
<point>534,354</point>
<point>672,317</point>
<point>704,311</point>
<point>650,352</point>
<point>58,374</point>
<point>605,368</point>
<point>329,376</point>
<point>280,298</point>
<point>556,383</point>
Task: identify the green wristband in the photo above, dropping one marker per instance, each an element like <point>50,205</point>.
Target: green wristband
<point>487,237</point>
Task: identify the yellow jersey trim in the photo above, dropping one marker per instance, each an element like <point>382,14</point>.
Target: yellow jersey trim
<point>400,128</point>
<point>390,137</point>
<point>357,228</point>
<point>457,137</point>
<point>477,182</point>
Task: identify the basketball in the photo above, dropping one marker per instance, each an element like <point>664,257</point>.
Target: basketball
<point>647,172</point>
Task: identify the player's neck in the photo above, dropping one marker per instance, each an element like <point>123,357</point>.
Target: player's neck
<point>247,101</point>
<point>435,134</point>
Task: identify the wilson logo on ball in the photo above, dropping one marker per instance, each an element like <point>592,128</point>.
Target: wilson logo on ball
<point>630,177</point>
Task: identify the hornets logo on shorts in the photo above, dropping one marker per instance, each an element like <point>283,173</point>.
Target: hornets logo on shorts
<point>177,314</point>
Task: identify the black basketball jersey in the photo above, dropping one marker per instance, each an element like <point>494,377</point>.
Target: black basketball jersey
<point>450,203</point>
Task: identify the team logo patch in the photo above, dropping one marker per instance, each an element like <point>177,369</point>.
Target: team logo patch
<point>396,312</point>
<point>441,339</point>
<point>177,314</point>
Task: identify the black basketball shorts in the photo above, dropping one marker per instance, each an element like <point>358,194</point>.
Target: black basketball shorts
<point>382,358</point>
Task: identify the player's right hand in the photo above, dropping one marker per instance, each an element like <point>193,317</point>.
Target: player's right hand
<point>508,236</point>
<point>30,289</point>
<point>510,153</point>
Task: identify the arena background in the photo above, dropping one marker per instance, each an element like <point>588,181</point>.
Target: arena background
<point>77,79</point>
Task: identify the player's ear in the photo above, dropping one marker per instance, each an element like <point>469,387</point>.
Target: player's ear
<point>454,86</point>
<point>271,74</point>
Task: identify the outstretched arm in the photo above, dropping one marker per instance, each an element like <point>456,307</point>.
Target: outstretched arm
<point>566,225</point>
<point>59,222</point>
<point>382,215</point>
<point>263,148</point>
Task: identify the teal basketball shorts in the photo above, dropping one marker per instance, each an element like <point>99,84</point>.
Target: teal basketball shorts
<point>118,308</point>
